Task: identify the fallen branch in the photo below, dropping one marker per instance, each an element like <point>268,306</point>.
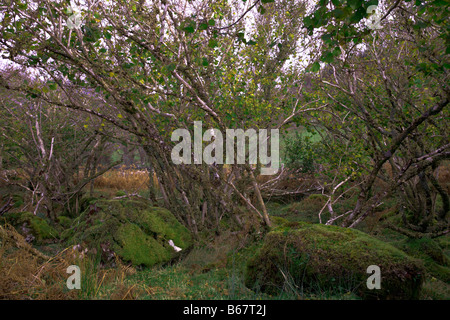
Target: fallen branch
<point>417,235</point>
<point>6,207</point>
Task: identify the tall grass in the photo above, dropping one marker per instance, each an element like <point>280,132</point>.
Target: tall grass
<point>125,179</point>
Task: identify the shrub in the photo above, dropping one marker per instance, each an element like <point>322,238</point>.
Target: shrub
<point>299,153</point>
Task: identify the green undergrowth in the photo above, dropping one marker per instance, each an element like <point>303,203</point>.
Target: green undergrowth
<point>296,259</point>
<point>34,227</point>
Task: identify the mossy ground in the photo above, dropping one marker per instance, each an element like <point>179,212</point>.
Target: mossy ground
<point>431,253</point>
<point>212,269</point>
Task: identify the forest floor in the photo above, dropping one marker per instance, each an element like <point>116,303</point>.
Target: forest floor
<point>214,269</point>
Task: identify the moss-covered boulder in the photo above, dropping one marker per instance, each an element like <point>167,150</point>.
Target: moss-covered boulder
<point>135,231</point>
<point>314,257</point>
<point>435,259</point>
<point>33,227</point>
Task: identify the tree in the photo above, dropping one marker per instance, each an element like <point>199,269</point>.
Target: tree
<point>388,93</point>
<point>160,66</point>
<point>53,150</point>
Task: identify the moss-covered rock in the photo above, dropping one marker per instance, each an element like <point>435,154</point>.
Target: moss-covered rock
<point>138,247</point>
<point>430,252</point>
<point>325,258</point>
<point>31,226</point>
<point>135,231</point>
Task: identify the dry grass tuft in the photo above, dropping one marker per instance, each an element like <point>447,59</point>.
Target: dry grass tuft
<point>126,179</point>
<point>26,273</point>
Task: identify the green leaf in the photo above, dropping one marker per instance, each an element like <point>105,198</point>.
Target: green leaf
<point>315,67</point>
<point>189,26</point>
<point>203,26</point>
<point>171,67</point>
<point>212,43</point>
<point>337,51</point>
<point>52,85</point>
<point>440,3</point>
<point>358,15</point>
<point>354,3</point>
<point>205,62</point>
<point>327,57</point>
<point>338,13</point>
<point>327,37</point>
<point>23,6</point>
<point>189,29</point>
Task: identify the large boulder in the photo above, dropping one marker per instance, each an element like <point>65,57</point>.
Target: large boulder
<point>315,257</point>
<point>135,231</point>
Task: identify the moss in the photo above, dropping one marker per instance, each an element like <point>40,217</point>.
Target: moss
<point>426,247</point>
<point>305,210</point>
<point>134,230</point>
<point>435,289</point>
<point>136,246</point>
<point>278,221</point>
<point>162,222</point>
<point>431,253</point>
<point>120,193</point>
<point>76,205</point>
<point>65,222</point>
<point>318,257</point>
<point>37,226</point>
<point>236,260</point>
<point>18,200</point>
<point>444,243</point>
<point>42,229</point>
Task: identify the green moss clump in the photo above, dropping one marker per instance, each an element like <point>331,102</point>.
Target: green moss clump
<point>162,222</point>
<point>135,231</point>
<point>65,222</point>
<point>38,227</point>
<point>136,246</point>
<point>278,221</point>
<point>317,257</point>
<point>430,252</point>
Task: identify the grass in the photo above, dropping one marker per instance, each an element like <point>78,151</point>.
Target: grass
<point>211,271</point>
<point>189,282</point>
<point>124,179</point>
